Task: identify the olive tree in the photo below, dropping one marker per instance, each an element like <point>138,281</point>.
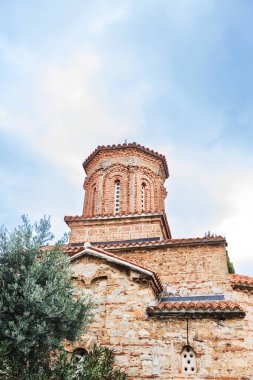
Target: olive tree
<point>37,307</point>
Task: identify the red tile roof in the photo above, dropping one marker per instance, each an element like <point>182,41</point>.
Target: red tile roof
<point>72,250</point>
<point>197,240</point>
<point>238,280</point>
<point>110,216</point>
<point>130,145</point>
<point>199,307</point>
<point>184,241</point>
<point>66,248</point>
<point>75,249</point>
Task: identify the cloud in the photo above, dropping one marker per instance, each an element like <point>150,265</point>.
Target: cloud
<point>107,16</point>
<point>147,72</point>
<point>215,196</point>
<point>237,225</point>
<point>4,118</point>
<point>69,110</point>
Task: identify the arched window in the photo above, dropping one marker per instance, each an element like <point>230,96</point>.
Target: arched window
<point>188,360</point>
<point>98,280</point>
<point>117,197</point>
<point>143,196</point>
<point>79,355</point>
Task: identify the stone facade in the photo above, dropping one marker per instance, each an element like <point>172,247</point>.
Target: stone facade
<point>168,307</point>
<point>190,268</point>
<point>118,228</point>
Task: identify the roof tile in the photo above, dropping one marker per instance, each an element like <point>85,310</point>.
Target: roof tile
<point>130,145</point>
<point>199,306</point>
<point>241,280</point>
<point>106,215</point>
<point>163,242</point>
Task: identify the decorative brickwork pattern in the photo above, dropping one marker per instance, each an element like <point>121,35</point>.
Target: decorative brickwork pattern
<point>133,169</point>
<point>123,180</point>
<point>130,145</point>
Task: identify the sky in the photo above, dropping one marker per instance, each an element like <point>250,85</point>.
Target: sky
<point>175,76</point>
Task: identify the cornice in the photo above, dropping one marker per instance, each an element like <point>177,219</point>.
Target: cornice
<point>125,146</point>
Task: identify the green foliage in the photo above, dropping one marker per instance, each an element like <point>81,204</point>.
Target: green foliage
<point>5,365</point>
<point>38,311</point>
<point>230,265</point>
<point>37,307</point>
<point>97,365</point>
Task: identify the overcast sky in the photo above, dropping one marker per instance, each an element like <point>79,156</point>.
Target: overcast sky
<point>175,76</point>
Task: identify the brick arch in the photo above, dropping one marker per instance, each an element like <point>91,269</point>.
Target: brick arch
<point>102,200</point>
<point>149,190</point>
<point>115,173</point>
<point>91,196</point>
<point>78,354</point>
<point>148,178</point>
<point>97,279</point>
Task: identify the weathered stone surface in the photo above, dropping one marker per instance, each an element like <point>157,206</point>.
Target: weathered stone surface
<point>151,347</point>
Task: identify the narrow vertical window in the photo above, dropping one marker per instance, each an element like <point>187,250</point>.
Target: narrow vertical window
<point>143,196</point>
<point>188,361</point>
<point>117,197</point>
<point>94,201</point>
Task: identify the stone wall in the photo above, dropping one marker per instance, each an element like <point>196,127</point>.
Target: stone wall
<point>150,348</point>
<point>124,228</point>
<point>192,269</point>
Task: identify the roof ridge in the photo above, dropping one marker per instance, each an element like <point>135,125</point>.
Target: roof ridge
<point>69,247</point>
<point>109,215</point>
<point>127,145</point>
<point>163,242</point>
<point>154,274</point>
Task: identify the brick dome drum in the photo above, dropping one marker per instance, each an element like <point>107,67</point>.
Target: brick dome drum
<point>141,176</point>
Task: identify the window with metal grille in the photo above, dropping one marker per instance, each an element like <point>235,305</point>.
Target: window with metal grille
<point>143,196</point>
<point>117,197</point>
<point>188,361</point>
